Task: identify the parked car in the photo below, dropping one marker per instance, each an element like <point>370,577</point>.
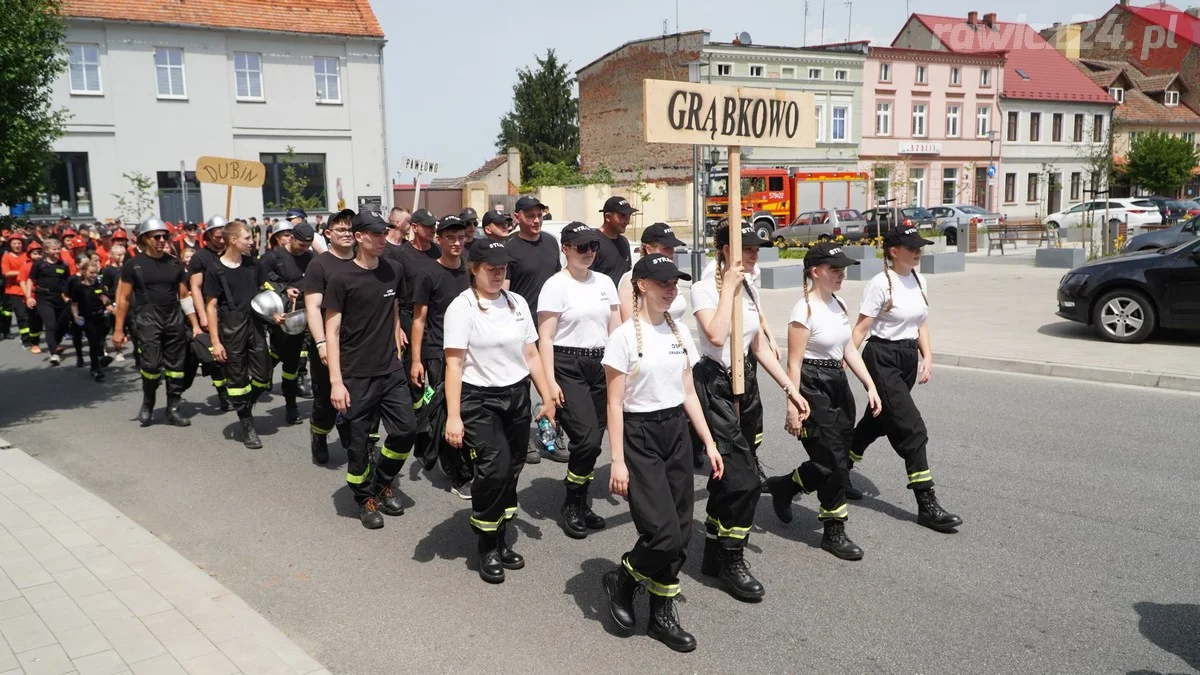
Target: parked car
<point>952,219</point>
<point>821,225</point>
<point>1163,204</point>
<point>1172,236</point>
<point>1134,212</point>
<point>882,219</point>
<point>1127,297</point>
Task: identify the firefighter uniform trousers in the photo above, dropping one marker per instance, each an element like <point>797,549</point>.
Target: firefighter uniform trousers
<point>496,423</point>
<point>384,398</point>
<point>731,500</point>
<point>893,368</point>
<point>15,309</point>
<point>455,462</point>
<point>826,436</point>
<point>324,415</point>
<point>162,340</point>
<point>286,349</point>
<point>585,415</point>
<point>661,498</point>
<point>247,363</point>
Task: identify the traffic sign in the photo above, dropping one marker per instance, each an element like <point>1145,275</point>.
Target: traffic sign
<point>992,171</point>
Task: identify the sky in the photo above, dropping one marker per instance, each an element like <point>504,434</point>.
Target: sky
<point>450,66</point>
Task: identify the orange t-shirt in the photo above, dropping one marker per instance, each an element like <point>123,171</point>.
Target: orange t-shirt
<point>14,262</point>
<point>69,259</point>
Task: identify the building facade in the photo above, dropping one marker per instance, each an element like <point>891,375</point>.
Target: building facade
<point>156,87</point>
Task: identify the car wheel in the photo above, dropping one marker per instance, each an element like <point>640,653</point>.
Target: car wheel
<point>1124,315</point>
<point>780,242</point>
<point>1053,224</point>
<point>763,229</point>
<point>951,236</point>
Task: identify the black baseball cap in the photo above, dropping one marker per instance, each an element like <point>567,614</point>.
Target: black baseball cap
<point>369,222</point>
<point>496,218</point>
<point>424,217</point>
<point>492,253</point>
<point>468,214</point>
<point>660,233</point>
<point>750,238</point>
<point>529,204</point>
<point>828,253</point>
<point>905,235</point>
<point>342,215</point>
<point>618,205</point>
<point>304,232</point>
<point>450,223</point>
<point>659,268</point>
<point>579,233</point>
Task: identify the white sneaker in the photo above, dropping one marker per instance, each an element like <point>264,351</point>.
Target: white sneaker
<point>120,357</point>
<point>55,360</point>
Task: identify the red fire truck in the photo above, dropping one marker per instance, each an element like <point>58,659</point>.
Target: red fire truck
<point>772,197</point>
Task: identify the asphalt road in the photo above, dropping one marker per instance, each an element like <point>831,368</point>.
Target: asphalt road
<point>1078,554</point>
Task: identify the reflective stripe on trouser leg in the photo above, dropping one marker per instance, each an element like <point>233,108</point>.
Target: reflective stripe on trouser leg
<point>383,397</point>
<point>838,513</point>
<point>247,370</point>
<point>830,428</point>
<point>733,499</point>
<point>496,423</point>
<point>893,368</point>
<point>585,415</point>
<point>323,414</point>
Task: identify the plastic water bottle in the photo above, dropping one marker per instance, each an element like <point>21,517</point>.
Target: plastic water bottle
<point>548,434</point>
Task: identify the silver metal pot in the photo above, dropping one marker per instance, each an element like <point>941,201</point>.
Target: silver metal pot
<point>294,323</point>
<point>267,304</point>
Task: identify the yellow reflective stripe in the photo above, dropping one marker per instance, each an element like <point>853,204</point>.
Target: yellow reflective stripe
<point>510,513</point>
<point>920,477</point>
<point>272,354</point>
<point>151,376</point>
<point>260,385</point>
<point>358,480</point>
<point>485,525</point>
<point>24,331</point>
<point>173,374</point>
<point>797,480</point>
<point>840,512</point>
<point>304,355</point>
<point>289,376</point>
<point>373,437</point>
<point>579,480</point>
<point>318,430</point>
<point>238,391</point>
<point>730,532</point>
<point>393,455</point>
<point>652,586</point>
<point>426,397</point>
<point>218,383</point>
<point>758,439</point>
<point>473,455</point>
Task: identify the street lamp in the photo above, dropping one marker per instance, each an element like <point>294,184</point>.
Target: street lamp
<point>993,137</point>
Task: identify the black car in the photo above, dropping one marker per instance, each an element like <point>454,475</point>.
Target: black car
<point>1125,298</point>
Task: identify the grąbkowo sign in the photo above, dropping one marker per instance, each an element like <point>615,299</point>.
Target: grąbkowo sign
<point>709,114</point>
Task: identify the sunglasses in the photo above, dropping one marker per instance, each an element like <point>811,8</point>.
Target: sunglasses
<point>590,247</point>
<point>158,237</point>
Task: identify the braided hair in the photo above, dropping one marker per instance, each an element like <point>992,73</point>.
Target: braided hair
<point>887,273</point>
<point>808,278</point>
<point>637,331</point>
<point>512,307</point>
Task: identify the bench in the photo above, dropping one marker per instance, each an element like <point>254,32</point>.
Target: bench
<point>1012,232</point>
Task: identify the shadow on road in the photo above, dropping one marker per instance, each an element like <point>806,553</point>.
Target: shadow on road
<point>1173,628</point>
<point>589,595</point>
<point>450,539</point>
<point>1072,330</point>
<point>33,391</point>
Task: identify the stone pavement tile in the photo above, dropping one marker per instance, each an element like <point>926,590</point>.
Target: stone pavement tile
<point>189,646</point>
<point>26,573</point>
<point>137,595</point>
<point>132,640</point>
<point>268,634</point>
<point>7,590</point>
<point>8,660</point>
<point>44,593</point>
<point>83,641</point>
<point>51,660</point>
<point>212,619</point>
<point>62,563</point>
<point>9,543</point>
<point>62,614</point>
<point>251,656</point>
<point>169,624</point>
<point>109,567</point>
<point>15,521</point>
<point>79,583</point>
<point>63,528</point>
<point>160,665</point>
<point>103,606</point>
<point>104,663</point>
<point>26,632</point>
<point>15,607</point>
<point>215,663</point>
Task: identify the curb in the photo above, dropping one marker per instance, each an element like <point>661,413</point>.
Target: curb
<point>1175,382</point>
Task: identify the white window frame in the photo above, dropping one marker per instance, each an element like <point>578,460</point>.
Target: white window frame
<point>920,111</point>
<point>83,63</point>
<point>787,72</point>
<point>917,191</point>
<point>338,66</point>
<point>239,72</point>
<point>820,73</point>
<point>983,121</point>
<point>727,67</point>
<point>922,76</point>
<point>762,69</point>
<point>955,77</point>
<point>841,75</point>
<point>1171,98</point>
<point>883,118</point>
<point>845,109</point>
<point>1117,94</point>
<point>885,71</point>
<point>953,181</point>
<point>985,77</point>
<point>820,115</point>
<point>172,96</point>
<point>953,121</point>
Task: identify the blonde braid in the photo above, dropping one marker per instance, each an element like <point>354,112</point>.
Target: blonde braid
<point>475,292</point>
<point>637,331</point>
<point>807,276</point>
<point>887,275</point>
<point>720,275</point>
<point>919,287</point>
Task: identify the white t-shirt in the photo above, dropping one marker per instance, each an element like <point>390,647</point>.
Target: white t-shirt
<point>494,340</point>
<point>678,307</point>
<point>658,383</point>
<point>909,309</point>
<point>710,270</point>
<point>584,308</point>
<point>705,296</point>
<point>828,328</point>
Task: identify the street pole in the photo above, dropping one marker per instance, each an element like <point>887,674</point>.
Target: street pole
<point>416,192</point>
<point>183,182</point>
<point>698,191</point>
<point>733,161</point>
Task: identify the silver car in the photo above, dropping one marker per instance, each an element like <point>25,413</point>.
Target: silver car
<point>955,218</point>
<point>1168,238</point>
<point>820,226</point>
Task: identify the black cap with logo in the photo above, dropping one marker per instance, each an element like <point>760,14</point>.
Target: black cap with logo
<point>660,233</point>
<point>492,253</point>
<point>905,235</point>
<point>496,218</point>
<point>618,205</point>
<point>369,222</point>
<point>529,204</point>
<point>468,214</point>
<point>579,233</point>
<point>828,253</point>
<point>750,238</point>
<point>424,217</point>
<point>303,232</point>
<point>659,268</point>
<point>450,223</point>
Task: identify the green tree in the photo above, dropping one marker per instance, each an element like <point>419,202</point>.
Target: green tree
<point>294,184</point>
<point>31,57</point>
<point>1160,162</point>
<point>137,203</point>
<point>544,121</point>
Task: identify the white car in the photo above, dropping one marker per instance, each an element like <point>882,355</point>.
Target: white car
<point>1132,211</point>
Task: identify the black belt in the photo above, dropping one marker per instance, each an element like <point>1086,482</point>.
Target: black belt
<point>907,343</point>
<point>597,353</point>
<point>823,363</point>
<point>655,415</point>
<point>523,382</point>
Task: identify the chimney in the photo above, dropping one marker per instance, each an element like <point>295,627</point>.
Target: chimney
<point>514,168</point>
<point>972,18</point>
<point>989,20</point>
<point>1124,3</point>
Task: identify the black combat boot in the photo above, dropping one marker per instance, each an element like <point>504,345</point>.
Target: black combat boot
<point>173,417</point>
<point>836,542</point>
<point>735,575</point>
<point>620,586</point>
<point>851,491</point>
<point>369,516</point>
<point>590,517</point>
<point>783,489</point>
<point>509,559</point>
<point>292,411</point>
<point>146,414</point>
<point>572,515</point>
<point>932,515</point>
<point>320,448</point>
<point>491,569</point>
<point>664,625</point>
<point>249,433</point>
<point>223,400</point>
<point>388,501</point>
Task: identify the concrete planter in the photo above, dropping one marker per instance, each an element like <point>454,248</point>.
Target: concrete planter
<point>766,255</point>
<point>860,252</point>
<point>943,263</point>
<point>1062,258</point>
<point>866,269</point>
<point>783,276</point>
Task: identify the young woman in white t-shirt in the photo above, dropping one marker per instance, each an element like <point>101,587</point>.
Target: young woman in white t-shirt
<point>490,358</point>
<point>894,311</point>
<point>737,425</point>
<point>651,397</point>
<point>818,346</point>
<point>577,309</point>
<point>658,238</point>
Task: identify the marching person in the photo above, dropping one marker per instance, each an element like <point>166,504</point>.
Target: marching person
<point>470,218</point>
<point>818,344</point>
<point>283,272</point>
<point>577,310</point>
<point>656,239</point>
<point>49,276</point>
<point>651,397</point>
<point>13,266</point>
<point>110,277</point>
<point>490,359</point>
<point>614,258</point>
<point>33,253</point>
<point>496,226</point>
<point>203,260</point>
<point>156,284</point>
<point>399,224</point>
<point>316,280</point>
<point>894,311</point>
<point>363,345</point>
<point>89,310</point>
<point>736,424</point>
<point>238,337</point>
<point>413,257</point>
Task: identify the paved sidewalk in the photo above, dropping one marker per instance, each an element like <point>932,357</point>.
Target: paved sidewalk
<point>85,590</point>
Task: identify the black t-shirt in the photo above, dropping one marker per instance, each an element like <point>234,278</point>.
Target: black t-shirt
<point>437,287</point>
<point>323,268</point>
<point>160,279</point>
<point>533,263</point>
<point>201,262</point>
<point>367,301</point>
<point>614,258</point>
<point>286,269</point>
<point>50,278</point>
<point>411,262</point>
<point>242,282</point>
<point>90,298</point>
<point>109,276</point>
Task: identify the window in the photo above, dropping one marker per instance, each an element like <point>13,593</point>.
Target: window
<point>1035,127</point>
<point>757,71</point>
<point>1171,98</point>
<point>1117,93</point>
<point>1031,188</point>
<point>918,120</point>
<point>788,72</point>
<point>841,118</point>
<point>1076,185</point>
<point>955,77</point>
<point>725,69</point>
<point>842,75</point>
<point>814,73</point>
<point>310,167</point>
<point>1056,128</point>
<point>1014,121</point>
<point>952,120</point>
<point>949,185</point>
<point>883,119</point>
<point>1010,188</point>
<point>820,113</point>
<point>1077,132</point>
<point>916,181</point>
<point>84,67</point>
<point>1135,135</point>
<point>68,188</point>
<point>985,77</point>
<point>1189,136</point>
<point>885,72</point>
<point>883,179</point>
<point>983,121</point>
<point>247,72</point>
<point>168,64</point>
<point>1097,128</point>
<point>921,75</point>
<point>329,88</point>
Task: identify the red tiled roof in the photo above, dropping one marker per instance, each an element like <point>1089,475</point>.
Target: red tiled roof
<point>1183,25</point>
<point>352,18</point>
<point>1154,83</point>
<point>488,167</point>
<point>1051,76</point>
<point>1103,78</point>
<point>1140,108</point>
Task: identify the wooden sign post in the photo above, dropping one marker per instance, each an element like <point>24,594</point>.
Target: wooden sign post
<point>736,117</point>
<point>230,173</point>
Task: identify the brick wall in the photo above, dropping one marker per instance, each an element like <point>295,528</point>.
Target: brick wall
<point>610,109</point>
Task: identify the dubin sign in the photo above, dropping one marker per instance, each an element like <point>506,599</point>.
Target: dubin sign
<point>707,114</point>
<point>231,172</point>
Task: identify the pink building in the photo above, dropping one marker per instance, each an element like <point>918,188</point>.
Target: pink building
<point>927,118</point>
